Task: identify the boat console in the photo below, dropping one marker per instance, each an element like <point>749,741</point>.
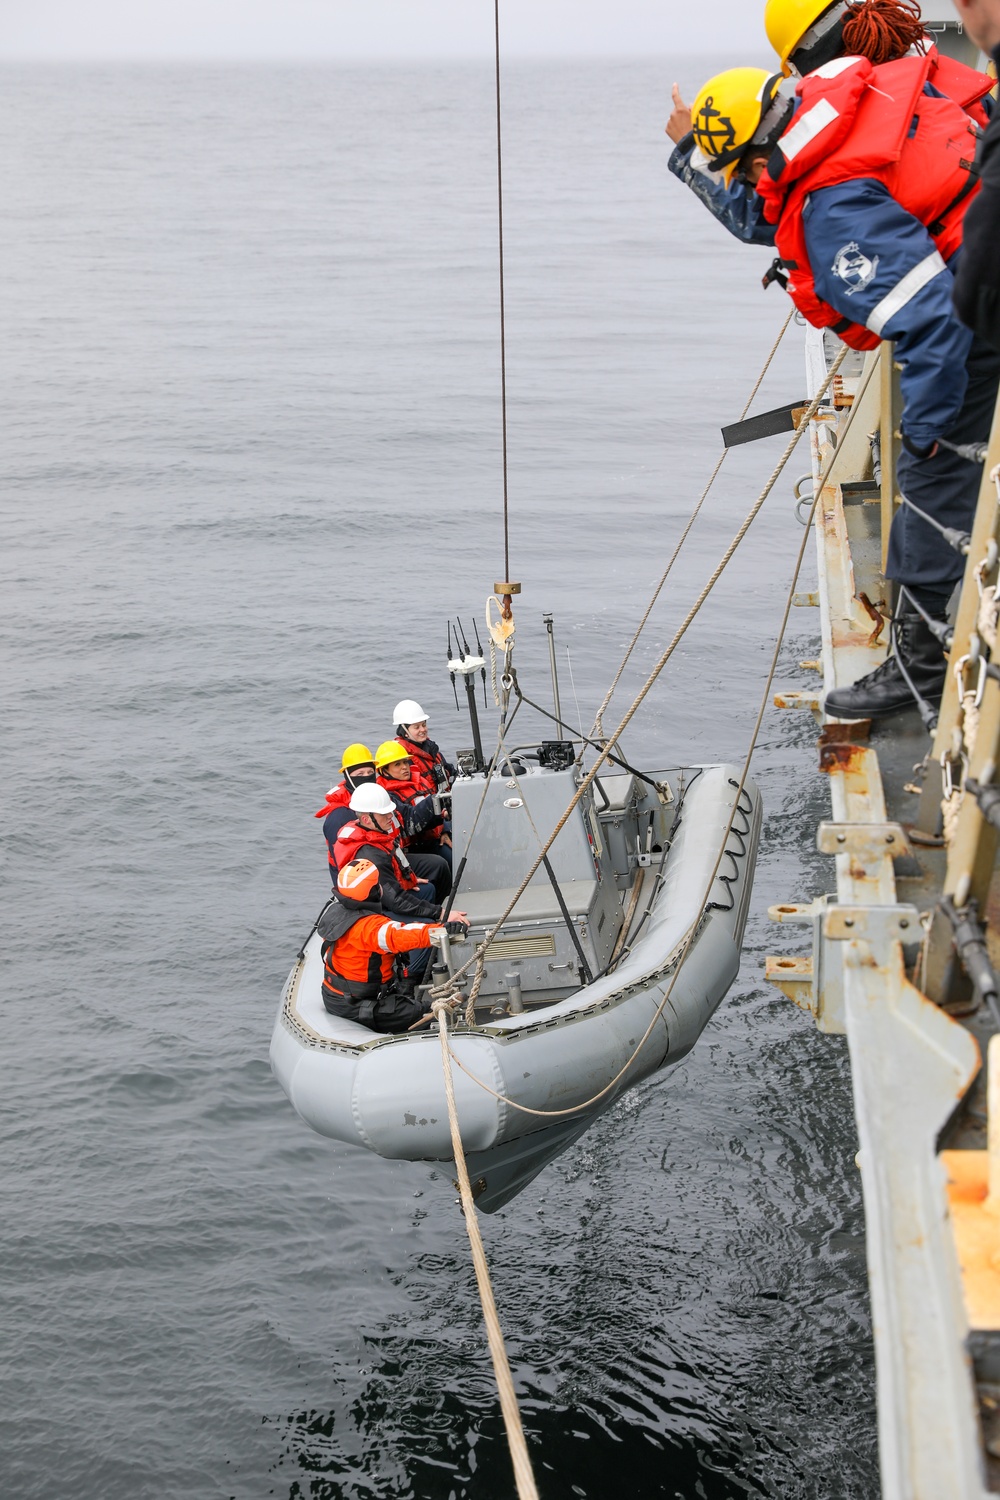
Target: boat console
<point>566,926</point>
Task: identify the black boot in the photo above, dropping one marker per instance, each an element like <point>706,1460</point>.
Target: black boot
<point>885,691</point>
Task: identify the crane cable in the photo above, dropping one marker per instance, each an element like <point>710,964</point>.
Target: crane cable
<point>503,326</point>
<point>598,728</point>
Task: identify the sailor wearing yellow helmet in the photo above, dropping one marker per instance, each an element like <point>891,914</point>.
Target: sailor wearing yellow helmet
<point>807,34</point>
<point>865,177</point>
<point>357,766</point>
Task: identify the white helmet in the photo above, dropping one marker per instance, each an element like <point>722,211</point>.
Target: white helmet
<point>408,712</point>
<point>371,799</point>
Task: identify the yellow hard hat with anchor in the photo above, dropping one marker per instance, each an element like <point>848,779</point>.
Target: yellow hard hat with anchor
<point>735,110</point>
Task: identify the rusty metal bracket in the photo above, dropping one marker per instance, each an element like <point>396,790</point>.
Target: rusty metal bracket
<point>863,841</point>
<point>815,982</point>
<point>878,926</point>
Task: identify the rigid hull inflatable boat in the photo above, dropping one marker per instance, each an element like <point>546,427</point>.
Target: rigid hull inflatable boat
<point>587,987</point>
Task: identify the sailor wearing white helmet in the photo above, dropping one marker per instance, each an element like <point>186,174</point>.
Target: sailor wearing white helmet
<point>410,722</point>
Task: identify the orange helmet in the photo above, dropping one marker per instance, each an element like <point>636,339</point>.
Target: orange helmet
<point>358,881</point>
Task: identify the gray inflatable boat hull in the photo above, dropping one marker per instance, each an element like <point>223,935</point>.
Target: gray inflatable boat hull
<point>386,1093</point>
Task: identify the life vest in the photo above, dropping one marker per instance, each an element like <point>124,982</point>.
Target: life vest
<point>337,796</point>
<point>428,762</point>
<point>352,837</point>
<point>408,793</point>
<point>358,950</point>
<point>857,120</point>
<point>966,86</point>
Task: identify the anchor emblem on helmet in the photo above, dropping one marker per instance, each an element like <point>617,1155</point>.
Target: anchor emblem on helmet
<point>713,130</point>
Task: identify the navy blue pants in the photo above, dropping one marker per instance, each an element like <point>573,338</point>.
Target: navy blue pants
<point>947,488</point>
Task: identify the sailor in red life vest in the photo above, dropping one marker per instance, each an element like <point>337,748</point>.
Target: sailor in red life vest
<point>806,34</point>
<point>428,760</point>
<point>359,944</point>
<point>417,802</point>
<point>416,886</point>
<point>866,176</point>
<point>411,731</point>
<point>357,765</point>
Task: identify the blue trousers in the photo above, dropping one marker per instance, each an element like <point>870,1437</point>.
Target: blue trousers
<point>947,488</point>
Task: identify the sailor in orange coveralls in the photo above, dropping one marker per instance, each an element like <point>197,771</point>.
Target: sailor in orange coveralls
<point>359,946</point>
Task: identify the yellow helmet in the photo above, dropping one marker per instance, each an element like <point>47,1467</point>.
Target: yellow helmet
<point>356,755</point>
<point>388,752</point>
<point>728,112</point>
<point>804,33</point>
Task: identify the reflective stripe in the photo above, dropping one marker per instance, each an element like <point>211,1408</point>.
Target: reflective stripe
<point>904,291</point>
<point>386,927</point>
<point>831,69</point>
<point>806,128</point>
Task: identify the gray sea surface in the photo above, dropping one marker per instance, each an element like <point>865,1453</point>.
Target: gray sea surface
<point>251,457</point>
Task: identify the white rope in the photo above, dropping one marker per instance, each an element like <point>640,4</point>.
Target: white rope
<point>523,1475</point>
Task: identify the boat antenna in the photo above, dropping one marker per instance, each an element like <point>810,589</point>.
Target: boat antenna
<point>479,652</point>
<point>466,666</point>
<point>547,622</point>
<point>454,688</point>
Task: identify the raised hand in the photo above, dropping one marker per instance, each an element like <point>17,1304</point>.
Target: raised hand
<point>679,124</point>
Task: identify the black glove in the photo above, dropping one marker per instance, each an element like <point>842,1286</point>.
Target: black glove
<point>456,929</point>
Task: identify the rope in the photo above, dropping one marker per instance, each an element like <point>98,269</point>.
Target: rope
<point>693,929</point>
<point>881,30</point>
<point>523,1476</point>
<point>503,328</point>
<point>716,574</point>
<point>598,728</point>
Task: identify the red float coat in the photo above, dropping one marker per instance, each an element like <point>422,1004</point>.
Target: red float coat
<point>861,121</point>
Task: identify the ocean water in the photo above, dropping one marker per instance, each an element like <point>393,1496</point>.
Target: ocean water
<point>251,455</point>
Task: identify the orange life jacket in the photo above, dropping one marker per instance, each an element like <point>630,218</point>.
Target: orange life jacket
<point>352,836</point>
<point>857,120</point>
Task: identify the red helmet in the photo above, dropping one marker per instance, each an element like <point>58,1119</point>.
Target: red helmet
<point>358,881</point>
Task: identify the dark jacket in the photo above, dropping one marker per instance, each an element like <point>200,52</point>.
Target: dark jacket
<point>395,898</point>
<point>977,278</point>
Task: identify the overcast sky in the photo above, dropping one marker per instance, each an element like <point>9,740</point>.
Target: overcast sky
<point>372,28</point>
